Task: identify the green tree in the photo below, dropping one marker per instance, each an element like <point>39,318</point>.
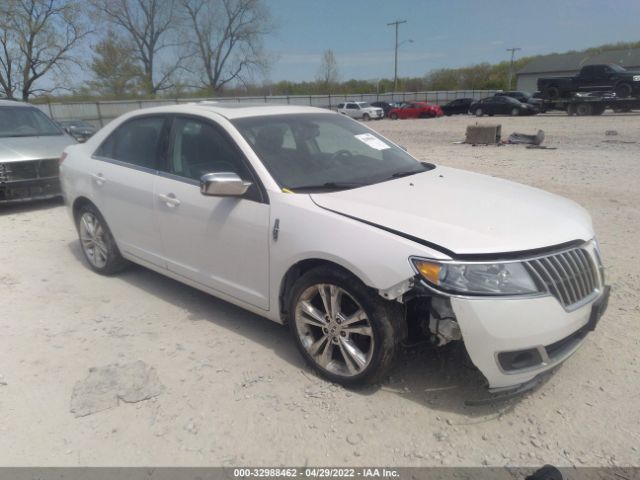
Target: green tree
<point>116,72</point>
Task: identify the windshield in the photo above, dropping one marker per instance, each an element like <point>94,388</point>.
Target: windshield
<point>25,122</point>
<point>617,68</point>
<point>324,151</point>
<point>364,105</point>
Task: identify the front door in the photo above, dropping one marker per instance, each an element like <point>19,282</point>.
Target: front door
<point>219,242</point>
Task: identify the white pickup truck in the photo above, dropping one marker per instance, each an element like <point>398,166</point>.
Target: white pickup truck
<point>361,110</point>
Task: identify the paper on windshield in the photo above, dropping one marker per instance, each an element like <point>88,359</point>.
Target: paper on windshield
<point>372,141</point>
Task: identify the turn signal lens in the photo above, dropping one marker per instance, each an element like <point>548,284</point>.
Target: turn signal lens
<point>62,157</point>
<point>429,270</point>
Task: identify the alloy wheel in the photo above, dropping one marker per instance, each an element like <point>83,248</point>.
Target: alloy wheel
<point>334,330</point>
<point>92,239</point>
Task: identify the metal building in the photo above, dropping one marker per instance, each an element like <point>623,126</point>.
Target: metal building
<point>567,64</point>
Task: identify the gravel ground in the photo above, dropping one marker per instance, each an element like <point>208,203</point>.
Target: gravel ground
<point>234,391</point>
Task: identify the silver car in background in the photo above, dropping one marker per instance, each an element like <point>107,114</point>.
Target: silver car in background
<point>30,147</point>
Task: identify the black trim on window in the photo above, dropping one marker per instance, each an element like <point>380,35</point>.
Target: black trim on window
<point>257,192</point>
<point>161,148</point>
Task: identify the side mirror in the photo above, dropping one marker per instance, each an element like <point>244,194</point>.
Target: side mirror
<point>224,184</point>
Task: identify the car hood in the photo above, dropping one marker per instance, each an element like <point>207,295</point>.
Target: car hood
<point>15,149</point>
<point>464,213</point>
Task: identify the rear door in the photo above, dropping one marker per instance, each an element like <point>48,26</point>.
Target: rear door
<point>123,171</point>
<point>219,242</point>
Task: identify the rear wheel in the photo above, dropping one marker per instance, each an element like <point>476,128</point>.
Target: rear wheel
<point>344,330</point>
<point>583,109</point>
<point>479,112</point>
<point>97,242</point>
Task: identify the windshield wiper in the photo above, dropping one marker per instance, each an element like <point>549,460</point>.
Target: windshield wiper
<point>327,186</point>
<point>427,167</point>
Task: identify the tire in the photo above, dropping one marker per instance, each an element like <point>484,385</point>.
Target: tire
<point>515,112</point>
<point>571,109</point>
<point>584,109</point>
<point>393,116</point>
<point>97,243</point>
<point>552,92</point>
<point>479,112</point>
<point>623,90</point>
<point>366,117</point>
<point>330,346</point>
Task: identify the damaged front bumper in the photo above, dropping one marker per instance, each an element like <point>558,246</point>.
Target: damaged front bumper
<point>29,180</point>
<point>513,341</point>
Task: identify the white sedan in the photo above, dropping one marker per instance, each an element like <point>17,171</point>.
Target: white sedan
<point>311,219</point>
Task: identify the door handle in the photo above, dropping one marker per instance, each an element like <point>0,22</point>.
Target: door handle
<point>98,178</point>
<point>169,199</point>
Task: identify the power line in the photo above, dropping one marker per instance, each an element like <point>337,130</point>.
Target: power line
<point>513,52</point>
<point>395,69</point>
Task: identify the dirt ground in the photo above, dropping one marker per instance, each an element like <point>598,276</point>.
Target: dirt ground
<point>234,390</point>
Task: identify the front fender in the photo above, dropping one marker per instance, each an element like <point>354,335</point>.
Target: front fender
<point>306,231</point>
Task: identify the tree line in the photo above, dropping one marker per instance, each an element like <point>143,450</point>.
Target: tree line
<point>138,47</point>
<point>177,48</point>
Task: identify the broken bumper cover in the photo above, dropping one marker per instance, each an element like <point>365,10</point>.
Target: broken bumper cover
<point>25,190</point>
<point>29,180</point>
<point>512,341</point>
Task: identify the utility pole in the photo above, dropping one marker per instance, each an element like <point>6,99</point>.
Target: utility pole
<point>395,69</point>
<point>513,52</point>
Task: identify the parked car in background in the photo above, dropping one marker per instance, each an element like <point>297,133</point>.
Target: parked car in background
<point>30,147</point>
<point>311,219</point>
<point>415,110</point>
<point>457,106</point>
<point>78,129</point>
<point>524,97</point>
<point>501,106</point>
<point>385,106</point>
<point>592,78</point>
<point>361,111</point>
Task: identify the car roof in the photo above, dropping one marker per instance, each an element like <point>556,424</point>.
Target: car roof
<point>234,110</point>
<point>14,103</point>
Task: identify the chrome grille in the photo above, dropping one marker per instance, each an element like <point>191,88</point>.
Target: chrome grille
<point>570,276</point>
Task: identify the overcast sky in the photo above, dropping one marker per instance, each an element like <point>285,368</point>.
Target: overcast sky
<point>445,33</point>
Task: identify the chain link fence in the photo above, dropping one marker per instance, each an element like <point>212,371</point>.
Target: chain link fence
<point>101,113</point>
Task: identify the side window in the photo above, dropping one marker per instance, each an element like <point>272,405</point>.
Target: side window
<point>136,142</point>
<point>198,148</point>
<point>341,105</point>
<point>352,106</point>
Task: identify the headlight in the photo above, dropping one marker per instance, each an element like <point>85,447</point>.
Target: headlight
<point>636,78</point>
<point>477,278</point>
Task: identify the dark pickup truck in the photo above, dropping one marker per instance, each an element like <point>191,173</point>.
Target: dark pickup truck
<point>592,78</point>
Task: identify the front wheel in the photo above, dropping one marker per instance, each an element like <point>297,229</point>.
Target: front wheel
<point>552,92</point>
<point>515,112</point>
<point>479,112</point>
<point>623,90</point>
<point>345,331</point>
<point>393,116</point>
<point>97,242</point>
<point>366,117</point>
